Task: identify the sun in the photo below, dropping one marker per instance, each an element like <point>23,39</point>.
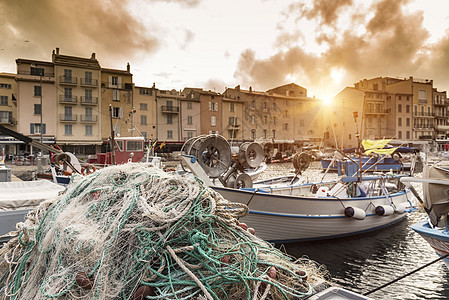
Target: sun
<point>327,101</point>
<point>337,74</point>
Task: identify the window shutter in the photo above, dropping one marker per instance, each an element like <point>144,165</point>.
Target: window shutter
<point>110,81</point>
<point>120,82</point>
<point>31,128</point>
<point>120,112</point>
<point>44,131</point>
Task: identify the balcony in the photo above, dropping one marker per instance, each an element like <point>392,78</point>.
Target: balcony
<point>68,80</point>
<point>375,111</point>
<point>442,127</point>
<point>424,114</point>
<point>66,99</point>
<point>234,126</point>
<point>170,109</point>
<point>89,101</point>
<point>89,82</point>
<point>89,118</point>
<point>68,118</point>
<point>442,102</point>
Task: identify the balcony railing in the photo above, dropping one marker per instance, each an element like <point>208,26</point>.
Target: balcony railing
<point>89,118</point>
<point>424,114</point>
<point>376,111</point>
<point>68,80</point>
<point>66,99</point>
<point>89,82</point>
<point>442,102</point>
<point>68,118</point>
<point>89,101</point>
<point>170,109</point>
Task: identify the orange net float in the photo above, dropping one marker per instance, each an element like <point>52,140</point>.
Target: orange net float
<point>87,169</point>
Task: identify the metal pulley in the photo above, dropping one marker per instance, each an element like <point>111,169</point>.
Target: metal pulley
<point>301,161</point>
<point>213,154</point>
<point>250,155</point>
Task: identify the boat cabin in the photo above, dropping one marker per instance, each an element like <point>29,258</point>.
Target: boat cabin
<point>127,149</point>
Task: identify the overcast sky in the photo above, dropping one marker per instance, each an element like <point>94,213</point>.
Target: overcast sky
<point>322,45</point>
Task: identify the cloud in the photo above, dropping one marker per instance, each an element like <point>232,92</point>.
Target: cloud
<point>381,39</point>
<point>82,26</point>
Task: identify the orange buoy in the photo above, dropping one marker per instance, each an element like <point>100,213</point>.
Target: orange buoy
<point>243,225</point>
<point>87,169</point>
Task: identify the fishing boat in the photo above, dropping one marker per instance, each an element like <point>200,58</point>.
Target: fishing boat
<point>435,201</point>
<point>283,211</point>
<point>377,156</point>
<point>17,198</point>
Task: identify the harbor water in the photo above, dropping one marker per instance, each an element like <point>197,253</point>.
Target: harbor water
<point>365,262</point>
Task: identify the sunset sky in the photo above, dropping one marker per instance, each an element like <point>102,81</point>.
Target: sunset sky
<point>322,45</point>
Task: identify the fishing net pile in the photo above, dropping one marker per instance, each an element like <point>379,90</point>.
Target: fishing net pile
<point>136,232</point>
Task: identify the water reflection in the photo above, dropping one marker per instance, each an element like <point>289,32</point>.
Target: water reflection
<point>365,262</point>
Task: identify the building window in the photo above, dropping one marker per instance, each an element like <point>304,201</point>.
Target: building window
<point>37,90</point>
<point>275,107</point>
<point>143,106</point>
<point>88,130</point>
<point>143,120</point>
<point>5,116</point>
<point>286,114</point>
<point>233,121</point>
<point>117,112</point>
<point>88,78</point>
<point>115,95</point>
<point>35,128</point>
<point>144,134</point>
<point>169,119</point>
<point>3,100</point>
<point>274,120</point>
<point>88,114</point>
<point>169,134</point>
<point>213,121</point>
<point>399,134</point>
<point>407,122</point>
<point>252,104</point>
<point>37,109</point>
<point>189,120</point>
<point>231,107</point>
<point>189,105</point>
<point>265,133</point>
<point>67,129</point>
<point>407,108</point>
<point>67,75</point>
<point>264,105</point>
<point>5,86</point>
<point>114,80</point>
<point>286,126</point>
<point>253,134</point>
<point>265,118</point>
<point>189,134</point>
<point>213,106</point>
<point>88,96</point>
<point>143,91</point>
<point>68,94</point>
<point>399,106</point>
<point>274,134</point>
<point>399,121</point>
<point>232,134</point>
<point>408,135</point>
<point>252,119</point>
<point>37,71</point>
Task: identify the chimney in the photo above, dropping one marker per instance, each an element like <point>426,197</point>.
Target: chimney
<point>57,51</point>
<point>92,56</point>
<point>128,68</point>
<point>250,89</point>
<point>238,88</point>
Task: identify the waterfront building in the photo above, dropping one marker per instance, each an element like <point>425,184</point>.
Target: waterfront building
<point>78,127</point>
<point>117,107</point>
<point>8,110</point>
<point>168,129</point>
<point>145,112</point>
<point>441,104</point>
<point>190,113</point>
<point>210,111</point>
<point>37,107</point>
<point>232,119</point>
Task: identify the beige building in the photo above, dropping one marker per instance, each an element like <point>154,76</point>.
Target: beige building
<point>232,119</point>
<point>117,105</point>
<point>211,112</point>
<point>168,118</point>
<point>190,113</point>
<point>37,107</point>
<point>145,112</point>
<point>78,126</point>
<point>8,111</point>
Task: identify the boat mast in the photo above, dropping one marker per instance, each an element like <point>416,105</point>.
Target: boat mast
<point>359,146</point>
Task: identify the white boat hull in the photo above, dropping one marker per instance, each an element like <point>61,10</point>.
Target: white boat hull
<point>438,239</point>
<point>289,218</point>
